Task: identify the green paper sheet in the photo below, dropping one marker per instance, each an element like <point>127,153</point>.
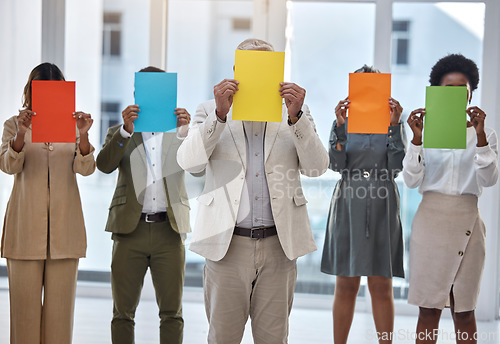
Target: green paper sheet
<point>445,121</point>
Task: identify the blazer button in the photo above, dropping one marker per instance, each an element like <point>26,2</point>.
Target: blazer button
<point>460,253</point>
<point>468,233</point>
<point>51,148</point>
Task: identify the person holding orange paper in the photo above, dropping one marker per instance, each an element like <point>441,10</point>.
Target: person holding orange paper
<point>447,244</point>
<point>43,233</point>
<point>364,234</point>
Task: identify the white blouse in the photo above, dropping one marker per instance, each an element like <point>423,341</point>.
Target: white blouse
<point>453,171</point>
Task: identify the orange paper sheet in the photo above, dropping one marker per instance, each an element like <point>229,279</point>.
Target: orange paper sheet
<point>369,111</point>
<point>54,104</point>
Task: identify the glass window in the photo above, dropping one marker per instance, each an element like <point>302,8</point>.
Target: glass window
<point>126,27</point>
<point>110,115</point>
<point>111,39</point>
<point>400,42</point>
<point>325,42</point>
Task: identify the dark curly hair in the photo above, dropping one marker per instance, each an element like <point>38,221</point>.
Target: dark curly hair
<point>455,63</point>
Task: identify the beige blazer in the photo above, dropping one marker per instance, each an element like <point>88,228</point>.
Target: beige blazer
<point>44,213</point>
<point>129,157</point>
<point>220,149</point>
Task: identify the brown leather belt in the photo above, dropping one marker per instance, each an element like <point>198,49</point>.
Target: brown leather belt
<point>256,233</point>
<point>154,217</point>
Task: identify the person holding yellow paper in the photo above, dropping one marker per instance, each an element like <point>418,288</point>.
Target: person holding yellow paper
<point>447,245</point>
<point>364,234</point>
<point>252,221</point>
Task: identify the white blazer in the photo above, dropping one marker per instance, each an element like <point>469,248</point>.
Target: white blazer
<point>220,149</point>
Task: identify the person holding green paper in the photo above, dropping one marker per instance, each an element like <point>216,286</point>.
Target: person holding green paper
<point>44,231</point>
<point>447,245</point>
<point>364,234</point>
<point>149,219</point>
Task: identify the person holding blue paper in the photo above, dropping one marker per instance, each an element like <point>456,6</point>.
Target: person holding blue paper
<point>252,221</point>
<point>364,234</point>
<point>149,219</point>
<point>447,245</point>
<point>44,231</point>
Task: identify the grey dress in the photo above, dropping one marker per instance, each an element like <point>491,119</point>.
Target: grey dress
<point>364,235</point>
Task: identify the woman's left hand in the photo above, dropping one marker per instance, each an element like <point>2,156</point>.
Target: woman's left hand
<point>396,111</point>
<point>477,117</point>
<point>83,121</point>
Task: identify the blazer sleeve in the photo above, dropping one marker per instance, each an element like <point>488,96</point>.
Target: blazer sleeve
<point>313,157</point>
<point>197,148</point>
<point>338,158</point>
<point>84,164</point>
<point>11,162</point>
<point>486,161</point>
<point>112,151</point>
<point>396,148</point>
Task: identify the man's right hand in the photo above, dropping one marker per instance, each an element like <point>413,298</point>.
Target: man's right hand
<point>224,92</point>
<point>129,115</point>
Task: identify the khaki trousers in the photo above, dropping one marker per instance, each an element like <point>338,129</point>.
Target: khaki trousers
<point>159,247</point>
<point>254,279</point>
<point>50,322</point>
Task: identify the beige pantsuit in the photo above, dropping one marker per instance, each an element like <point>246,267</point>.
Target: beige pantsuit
<point>43,235</point>
<point>27,278</point>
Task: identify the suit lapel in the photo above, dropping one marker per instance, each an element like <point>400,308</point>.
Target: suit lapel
<point>165,148</point>
<point>272,130</point>
<point>139,143</point>
<point>236,130</point>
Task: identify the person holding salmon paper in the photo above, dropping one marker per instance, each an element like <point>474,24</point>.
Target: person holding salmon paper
<point>44,233</point>
<point>252,222</point>
<point>364,234</point>
<point>447,245</point>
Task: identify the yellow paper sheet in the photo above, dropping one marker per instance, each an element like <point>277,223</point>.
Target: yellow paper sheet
<point>259,74</point>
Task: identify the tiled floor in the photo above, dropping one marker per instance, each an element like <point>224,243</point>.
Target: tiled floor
<point>310,322</point>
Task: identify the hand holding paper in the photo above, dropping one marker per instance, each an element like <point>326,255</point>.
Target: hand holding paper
<point>83,121</point>
<point>24,121</point>
<point>129,115</point>
<point>477,118</point>
<point>224,92</point>
<point>416,123</point>
<point>341,111</point>
<point>396,111</point>
<point>183,119</point>
<point>294,96</point>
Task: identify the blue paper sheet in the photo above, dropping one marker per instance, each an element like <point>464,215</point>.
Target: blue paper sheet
<point>156,95</point>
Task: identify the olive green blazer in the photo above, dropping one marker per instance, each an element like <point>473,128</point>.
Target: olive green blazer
<point>129,157</point>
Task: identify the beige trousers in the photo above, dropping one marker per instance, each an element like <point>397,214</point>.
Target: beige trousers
<point>31,321</point>
<point>254,279</point>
